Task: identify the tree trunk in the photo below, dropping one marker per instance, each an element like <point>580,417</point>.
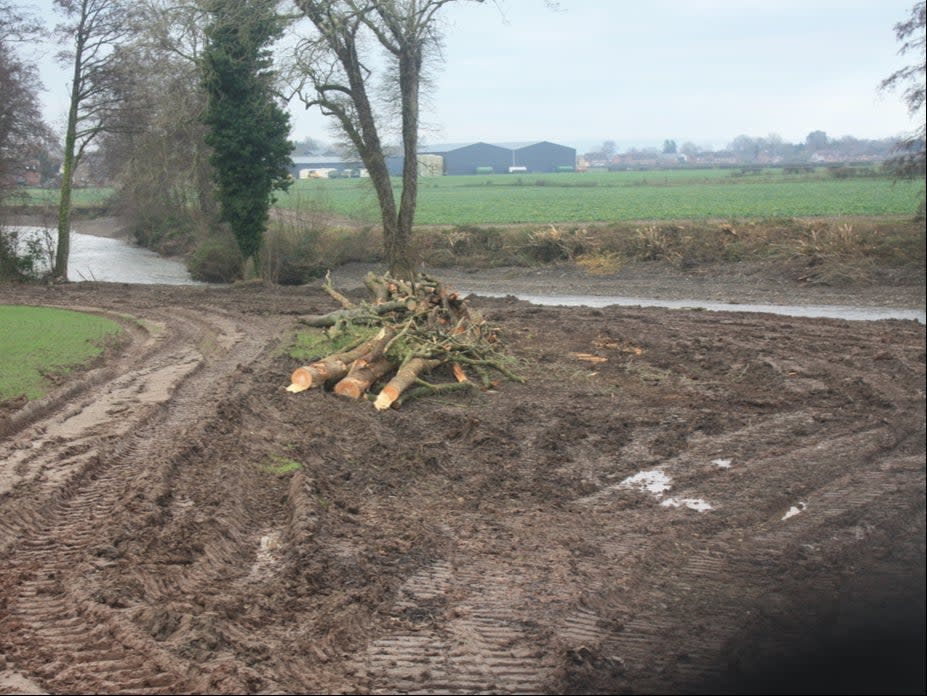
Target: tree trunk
<point>63,250</point>
<point>406,376</point>
<point>410,67</point>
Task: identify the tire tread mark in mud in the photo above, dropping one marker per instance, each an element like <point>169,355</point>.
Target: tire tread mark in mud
<point>55,539</point>
<point>479,644</point>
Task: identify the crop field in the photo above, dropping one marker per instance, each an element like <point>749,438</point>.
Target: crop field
<point>618,196</point>
<point>40,197</point>
<point>38,343</point>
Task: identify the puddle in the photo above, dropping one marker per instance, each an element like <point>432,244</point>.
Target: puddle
<point>691,503</point>
<point>655,482</point>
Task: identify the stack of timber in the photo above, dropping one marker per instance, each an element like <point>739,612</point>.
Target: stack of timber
<point>415,328</point>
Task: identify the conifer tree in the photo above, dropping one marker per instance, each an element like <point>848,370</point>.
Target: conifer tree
<point>248,131</point>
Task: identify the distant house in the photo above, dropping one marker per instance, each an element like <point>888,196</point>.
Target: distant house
<point>496,158</point>
<point>27,173</point>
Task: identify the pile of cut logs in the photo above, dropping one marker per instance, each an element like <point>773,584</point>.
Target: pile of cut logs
<point>416,327</point>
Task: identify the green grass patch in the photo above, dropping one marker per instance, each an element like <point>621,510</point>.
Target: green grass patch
<point>313,344</point>
<point>39,345</point>
<point>280,466</point>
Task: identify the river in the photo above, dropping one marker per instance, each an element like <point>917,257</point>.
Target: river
<point>117,261</point>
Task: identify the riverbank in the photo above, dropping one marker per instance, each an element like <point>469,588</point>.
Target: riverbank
<point>796,280</point>
<point>108,226</point>
<point>740,283</point>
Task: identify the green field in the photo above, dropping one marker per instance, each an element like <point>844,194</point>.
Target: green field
<point>501,199</point>
<point>38,343</point>
<point>618,196</point>
<point>45,197</point>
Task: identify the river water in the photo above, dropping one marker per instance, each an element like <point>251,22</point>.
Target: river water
<point>116,261</point>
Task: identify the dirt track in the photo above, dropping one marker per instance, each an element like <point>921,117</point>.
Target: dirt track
<point>494,543</point>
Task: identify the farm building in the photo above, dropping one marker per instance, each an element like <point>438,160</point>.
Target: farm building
<point>497,158</point>
<point>318,166</point>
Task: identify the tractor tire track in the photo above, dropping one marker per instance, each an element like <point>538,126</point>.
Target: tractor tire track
<point>56,533</point>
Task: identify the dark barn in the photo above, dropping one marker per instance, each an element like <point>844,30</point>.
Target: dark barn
<point>500,158</point>
<point>545,157</point>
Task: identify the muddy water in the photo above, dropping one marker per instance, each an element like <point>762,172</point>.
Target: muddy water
<point>116,261</point>
<point>829,311</point>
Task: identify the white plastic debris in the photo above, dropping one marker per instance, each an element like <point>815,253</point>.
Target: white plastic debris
<point>794,510</point>
<point>722,463</point>
<point>691,503</point>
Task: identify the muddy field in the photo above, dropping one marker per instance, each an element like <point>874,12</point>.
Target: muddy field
<point>725,503</point>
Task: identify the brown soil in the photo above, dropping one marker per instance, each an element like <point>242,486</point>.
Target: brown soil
<point>152,541</point>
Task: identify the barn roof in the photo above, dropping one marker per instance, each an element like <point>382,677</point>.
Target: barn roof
<point>450,147</point>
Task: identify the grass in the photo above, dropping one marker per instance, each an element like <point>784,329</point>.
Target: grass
<point>618,196</point>
<point>45,197</point>
<point>280,466</point>
<point>41,344</point>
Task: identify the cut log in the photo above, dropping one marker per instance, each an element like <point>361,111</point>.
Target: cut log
<point>428,326</point>
<point>405,376</point>
<point>459,373</point>
<point>362,374</point>
<point>336,367</point>
<point>318,373</point>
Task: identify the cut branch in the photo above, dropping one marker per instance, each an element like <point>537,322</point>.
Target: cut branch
<point>423,327</point>
<point>357,314</point>
<point>405,377</point>
<point>336,366</point>
<point>362,374</point>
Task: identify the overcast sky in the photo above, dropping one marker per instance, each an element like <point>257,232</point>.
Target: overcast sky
<point>641,72</point>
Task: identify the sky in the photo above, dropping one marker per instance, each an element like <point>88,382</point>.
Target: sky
<point>584,71</point>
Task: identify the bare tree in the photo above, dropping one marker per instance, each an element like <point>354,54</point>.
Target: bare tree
<point>156,150</point>
<point>97,28</point>
<point>339,77</point>
<point>16,24</point>
<point>22,130</point>
<point>912,150</point>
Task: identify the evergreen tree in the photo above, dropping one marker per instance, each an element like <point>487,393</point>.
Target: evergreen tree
<point>248,129</point>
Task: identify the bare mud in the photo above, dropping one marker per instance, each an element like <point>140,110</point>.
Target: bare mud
<point>717,503</point>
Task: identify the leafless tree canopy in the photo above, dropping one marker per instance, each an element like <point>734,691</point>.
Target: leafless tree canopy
<point>22,130</point>
<point>912,80</point>
<point>338,73</point>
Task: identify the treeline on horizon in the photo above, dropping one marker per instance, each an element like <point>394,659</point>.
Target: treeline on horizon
<point>817,147</point>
